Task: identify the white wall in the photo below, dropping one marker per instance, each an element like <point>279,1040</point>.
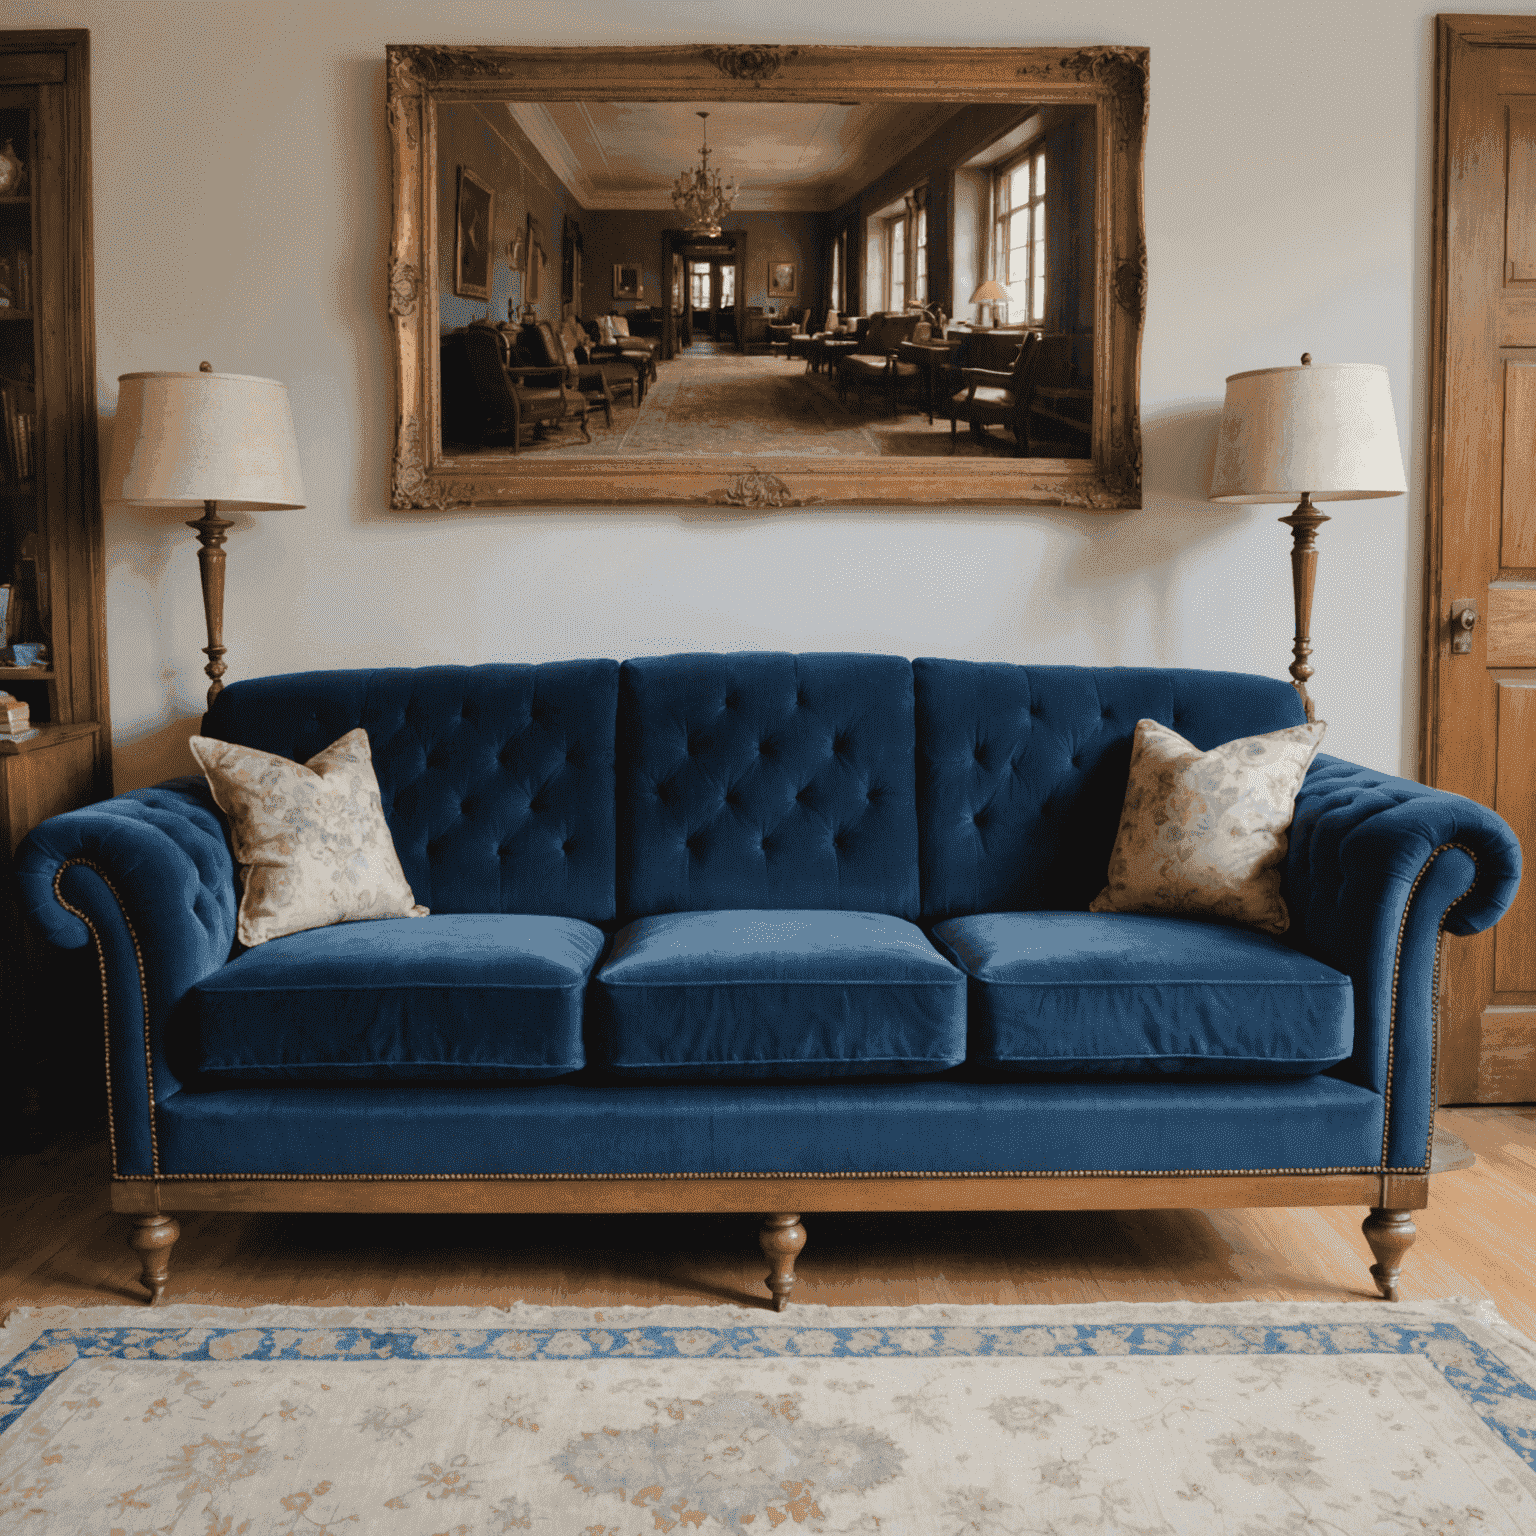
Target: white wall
<point>241,191</point>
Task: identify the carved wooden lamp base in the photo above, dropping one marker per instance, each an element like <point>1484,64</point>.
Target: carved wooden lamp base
<point>1304,523</point>
<point>781,1239</point>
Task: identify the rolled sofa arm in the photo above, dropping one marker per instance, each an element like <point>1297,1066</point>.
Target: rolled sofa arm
<point>1376,867</point>
<point>150,875</point>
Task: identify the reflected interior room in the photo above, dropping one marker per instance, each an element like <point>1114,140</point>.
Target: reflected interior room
<point>676,279</point>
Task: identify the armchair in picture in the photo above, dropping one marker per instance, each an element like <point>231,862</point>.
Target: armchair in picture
<point>626,371</point>
<point>839,327</point>
<point>514,398</point>
<point>540,345</point>
<point>783,331</point>
<point>625,375</point>
<point>615,340</point>
<point>644,323</point>
<point>998,397</point>
<point>876,359</point>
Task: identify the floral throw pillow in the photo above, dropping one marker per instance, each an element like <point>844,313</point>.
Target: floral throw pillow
<point>1203,833</point>
<point>310,838</point>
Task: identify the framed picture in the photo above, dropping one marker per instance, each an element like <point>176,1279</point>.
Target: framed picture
<point>472,237</point>
<point>970,109</point>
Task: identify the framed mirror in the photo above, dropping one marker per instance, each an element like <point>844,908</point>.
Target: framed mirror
<point>924,283</point>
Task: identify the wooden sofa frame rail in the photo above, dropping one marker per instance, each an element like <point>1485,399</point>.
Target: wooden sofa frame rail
<point>1389,1228</point>
<point>788,1192</point>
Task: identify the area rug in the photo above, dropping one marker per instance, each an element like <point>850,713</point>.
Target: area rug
<point>1249,1420</point>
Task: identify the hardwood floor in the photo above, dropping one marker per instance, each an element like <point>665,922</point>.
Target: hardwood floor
<point>59,1244</point>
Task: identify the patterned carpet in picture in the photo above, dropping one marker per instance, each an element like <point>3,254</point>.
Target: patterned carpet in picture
<point>1248,1420</point>
<point>745,407</point>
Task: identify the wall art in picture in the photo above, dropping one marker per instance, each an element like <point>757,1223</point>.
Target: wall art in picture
<point>472,245</point>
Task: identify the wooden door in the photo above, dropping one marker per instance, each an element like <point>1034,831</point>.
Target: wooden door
<point>1479,724</point>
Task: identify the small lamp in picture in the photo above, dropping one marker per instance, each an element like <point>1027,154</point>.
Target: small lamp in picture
<point>205,439</point>
<point>1323,433</point>
<point>991,292</point>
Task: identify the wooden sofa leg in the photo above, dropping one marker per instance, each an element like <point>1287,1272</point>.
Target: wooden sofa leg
<point>781,1239</point>
<point>154,1237</point>
<point>1391,1235</point>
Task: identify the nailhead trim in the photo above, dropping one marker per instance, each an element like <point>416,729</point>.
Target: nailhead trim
<point>1434,1004</point>
<point>605,1178</point>
<point>106,1011</point>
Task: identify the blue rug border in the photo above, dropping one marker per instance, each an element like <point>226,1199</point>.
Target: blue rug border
<point>1484,1380</point>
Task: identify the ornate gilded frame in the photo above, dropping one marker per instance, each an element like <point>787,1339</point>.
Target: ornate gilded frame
<point>1113,80</point>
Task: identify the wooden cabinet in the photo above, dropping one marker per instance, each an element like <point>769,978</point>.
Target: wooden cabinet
<point>50,527</point>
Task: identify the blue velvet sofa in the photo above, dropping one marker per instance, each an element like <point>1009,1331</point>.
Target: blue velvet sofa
<point>769,933</point>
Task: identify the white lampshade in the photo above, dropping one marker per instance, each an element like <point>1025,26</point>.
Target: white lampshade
<point>990,292</point>
<point>1326,428</point>
<point>185,438</point>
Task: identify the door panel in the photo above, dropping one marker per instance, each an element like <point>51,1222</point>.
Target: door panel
<point>1480,698</point>
<point>1514,950</point>
<point>1519,228</point>
<point>1517,513</point>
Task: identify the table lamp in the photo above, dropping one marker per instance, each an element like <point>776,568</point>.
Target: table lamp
<point>1323,433</point>
<point>205,439</point>
<point>991,292</point>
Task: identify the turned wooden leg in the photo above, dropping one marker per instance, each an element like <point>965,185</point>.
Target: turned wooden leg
<point>1391,1235</point>
<point>781,1238</point>
<point>154,1237</point>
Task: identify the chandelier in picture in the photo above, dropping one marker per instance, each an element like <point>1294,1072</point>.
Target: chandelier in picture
<point>699,194</point>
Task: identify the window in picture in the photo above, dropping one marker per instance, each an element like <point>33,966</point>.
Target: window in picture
<point>920,265</point>
<point>1019,254</point>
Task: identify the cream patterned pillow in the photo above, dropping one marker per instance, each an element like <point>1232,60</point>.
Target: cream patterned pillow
<point>621,325</point>
<point>605,336</point>
<point>310,838</point>
<point>1203,833</point>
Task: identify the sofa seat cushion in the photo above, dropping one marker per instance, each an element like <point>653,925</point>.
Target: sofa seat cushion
<point>465,996</point>
<point>1111,994</point>
<point>778,994</point>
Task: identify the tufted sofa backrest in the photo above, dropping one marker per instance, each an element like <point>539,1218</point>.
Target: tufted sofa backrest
<point>762,779</point>
<point>756,779</point>
<point>497,781</point>
<point>1021,771</point>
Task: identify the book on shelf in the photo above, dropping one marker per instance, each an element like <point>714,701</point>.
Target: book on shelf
<point>15,715</point>
<point>21,265</point>
<point>18,430</point>
<point>12,737</point>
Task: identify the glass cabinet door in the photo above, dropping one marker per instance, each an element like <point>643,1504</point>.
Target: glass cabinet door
<point>26,669</point>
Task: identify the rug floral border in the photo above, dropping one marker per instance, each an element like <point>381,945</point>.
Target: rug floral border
<point>1500,1398</point>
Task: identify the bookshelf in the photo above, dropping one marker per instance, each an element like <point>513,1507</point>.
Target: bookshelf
<point>50,556</point>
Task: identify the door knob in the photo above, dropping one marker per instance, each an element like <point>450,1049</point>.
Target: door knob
<point>1463,621</point>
